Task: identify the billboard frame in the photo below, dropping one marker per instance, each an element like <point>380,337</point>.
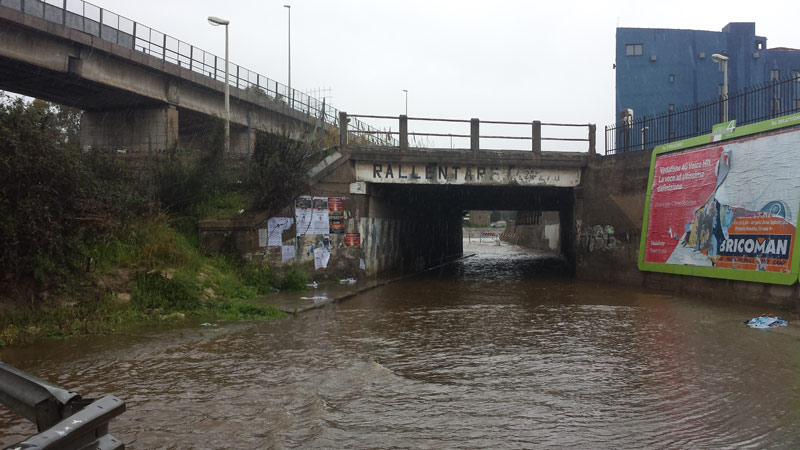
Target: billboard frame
<point>720,135</point>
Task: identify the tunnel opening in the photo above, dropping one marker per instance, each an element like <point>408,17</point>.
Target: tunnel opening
<point>426,225</point>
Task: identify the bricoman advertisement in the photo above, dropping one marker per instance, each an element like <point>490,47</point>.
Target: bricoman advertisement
<point>731,205</point>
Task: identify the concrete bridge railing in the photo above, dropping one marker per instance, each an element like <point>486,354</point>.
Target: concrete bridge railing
<point>362,137</point>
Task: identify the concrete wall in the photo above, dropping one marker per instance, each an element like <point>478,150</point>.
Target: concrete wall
<point>479,218</point>
<point>130,129</point>
<point>609,208</point>
<point>543,236</point>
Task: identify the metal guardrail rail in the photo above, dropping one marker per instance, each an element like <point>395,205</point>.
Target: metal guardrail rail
<point>475,136</point>
<point>109,26</point>
<point>63,418</point>
<point>754,104</point>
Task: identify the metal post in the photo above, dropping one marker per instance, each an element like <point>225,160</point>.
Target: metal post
<point>536,137</point>
<point>474,134</point>
<point>592,139</point>
<point>404,132</point>
<point>227,99</point>
<point>343,128</point>
<point>64,13</point>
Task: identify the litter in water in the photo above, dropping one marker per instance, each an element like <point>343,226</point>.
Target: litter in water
<point>348,281</point>
<point>766,322</point>
<point>313,285</point>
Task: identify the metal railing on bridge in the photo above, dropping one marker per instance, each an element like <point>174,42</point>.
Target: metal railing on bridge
<point>760,102</point>
<point>109,26</point>
<point>534,129</point>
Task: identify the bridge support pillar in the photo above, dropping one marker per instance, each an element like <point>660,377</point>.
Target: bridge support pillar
<point>130,129</point>
<point>243,141</point>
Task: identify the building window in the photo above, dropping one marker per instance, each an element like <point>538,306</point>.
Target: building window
<point>633,50</point>
<point>671,107</point>
<point>671,78</point>
<point>774,75</point>
<point>759,45</point>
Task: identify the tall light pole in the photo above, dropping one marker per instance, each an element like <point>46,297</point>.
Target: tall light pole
<point>406,91</point>
<point>216,21</point>
<point>291,94</point>
<point>722,59</point>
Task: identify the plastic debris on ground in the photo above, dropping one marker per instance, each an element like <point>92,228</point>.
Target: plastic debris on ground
<point>207,324</point>
<point>313,285</point>
<point>766,322</point>
<point>316,298</point>
<point>348,281</point>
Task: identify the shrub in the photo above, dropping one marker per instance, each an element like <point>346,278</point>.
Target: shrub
<point>294,279</point>
<point>153,291</point>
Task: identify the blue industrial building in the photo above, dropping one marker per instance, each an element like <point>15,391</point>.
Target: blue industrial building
<point>661,70</point>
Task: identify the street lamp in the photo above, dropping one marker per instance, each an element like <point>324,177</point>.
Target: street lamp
<point>289,9</point>
<point>406,91</point>
<point>216,21</point>
<point>724,61</point>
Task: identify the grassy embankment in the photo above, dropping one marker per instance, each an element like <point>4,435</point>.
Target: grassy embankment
<point>88,251</point>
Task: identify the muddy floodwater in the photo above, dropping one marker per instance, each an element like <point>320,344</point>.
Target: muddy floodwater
<point>495,351</point>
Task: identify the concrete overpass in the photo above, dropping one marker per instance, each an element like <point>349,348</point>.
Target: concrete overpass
<point>137,85</point>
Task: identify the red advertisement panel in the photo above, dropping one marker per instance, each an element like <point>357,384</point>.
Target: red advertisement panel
<point>683,183</point>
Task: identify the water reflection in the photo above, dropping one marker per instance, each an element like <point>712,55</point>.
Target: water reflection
<point>498,351</point>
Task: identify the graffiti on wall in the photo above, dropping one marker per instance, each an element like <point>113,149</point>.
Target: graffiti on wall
<point>598,238</point>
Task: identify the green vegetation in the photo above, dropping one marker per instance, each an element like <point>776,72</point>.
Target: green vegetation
<point>88,249</point>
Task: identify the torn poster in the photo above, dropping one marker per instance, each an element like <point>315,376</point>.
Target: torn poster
<point>320,222</point>
<point>276,226</point>
<point>262,237</point>
<point>362,265</point>
<point>287,252</point>
<point>336,215</point>
<point>302,213</point>
<point>321,258</point>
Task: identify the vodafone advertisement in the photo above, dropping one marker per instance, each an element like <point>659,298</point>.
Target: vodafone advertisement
<point>731,205</point>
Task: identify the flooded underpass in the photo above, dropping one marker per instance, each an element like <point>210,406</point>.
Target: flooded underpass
<point>498,350</point>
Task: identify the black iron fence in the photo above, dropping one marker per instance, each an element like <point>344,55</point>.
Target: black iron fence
<point>760,102</point>
<point>104,24</point>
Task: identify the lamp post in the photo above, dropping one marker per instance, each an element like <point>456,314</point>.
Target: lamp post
<point>291,94</point>
<point>406,91</point>
<point>216,21</point>
<point>724,61</point>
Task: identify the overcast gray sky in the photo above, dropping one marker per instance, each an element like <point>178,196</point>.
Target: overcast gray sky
<point>500,60</point>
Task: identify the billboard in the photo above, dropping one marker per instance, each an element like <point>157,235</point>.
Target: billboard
<point>726,205</point>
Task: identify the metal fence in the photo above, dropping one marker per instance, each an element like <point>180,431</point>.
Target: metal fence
<point>760,102</point>
<point>532,129</point>
<point>112,27</point>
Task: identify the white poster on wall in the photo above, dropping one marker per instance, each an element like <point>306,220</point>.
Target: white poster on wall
<point>276,226</point>
<point>262,237</point>
<point>321,258</point>
<point>302,214</point>
<point>320,220</point>
<point>287,252</point>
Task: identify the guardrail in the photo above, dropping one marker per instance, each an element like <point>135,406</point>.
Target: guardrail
<point>63,419</point>
<point>109,26</point>
<point>535,127</point>
<point>754,104</point>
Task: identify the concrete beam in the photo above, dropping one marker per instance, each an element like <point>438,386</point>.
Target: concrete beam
<point>137,130</point>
